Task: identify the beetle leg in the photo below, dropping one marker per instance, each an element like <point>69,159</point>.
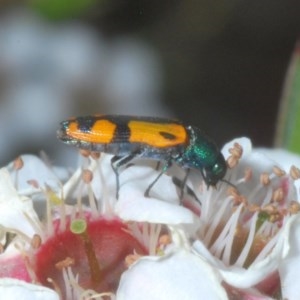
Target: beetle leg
<point>166,166</point>
<point>183,183</point>
<point>189,190</point>
<point>116,162</point>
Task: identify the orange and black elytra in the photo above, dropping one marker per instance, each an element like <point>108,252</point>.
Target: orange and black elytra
<point>166,140</point>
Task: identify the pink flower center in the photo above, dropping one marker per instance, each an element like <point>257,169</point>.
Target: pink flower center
<point>98,255</point>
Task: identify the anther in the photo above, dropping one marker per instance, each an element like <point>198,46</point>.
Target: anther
<point>294,207</point>
<point>18,163</point>
<point>265,179</point>
<point>294,172</point>
<point>87,176</point>
<point>130,259</point>
<point>278,171</point>
<point>95,155</point>
<point>36,241</point>
<point>67,262</point>
<point>278,195</point>
<point>85,152</point>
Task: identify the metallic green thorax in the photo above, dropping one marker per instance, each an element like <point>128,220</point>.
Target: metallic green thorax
<point>203,154</point>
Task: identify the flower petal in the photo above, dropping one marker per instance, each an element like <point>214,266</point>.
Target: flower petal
<point>241,277</point>
<point>181,275</point>
<point>13,207</point>
<point>14,289</point>
<point>33,169</point>
<point>289,268</point>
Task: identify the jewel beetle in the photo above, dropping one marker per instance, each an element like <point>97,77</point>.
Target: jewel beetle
<point>165,140</point>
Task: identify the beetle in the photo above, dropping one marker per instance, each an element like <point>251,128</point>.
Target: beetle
<point>165,140</point>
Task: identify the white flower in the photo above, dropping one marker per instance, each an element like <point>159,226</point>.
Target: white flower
<point>235,244</point>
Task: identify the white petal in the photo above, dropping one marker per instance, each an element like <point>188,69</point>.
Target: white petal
<point>14,289</point>
<point>241,277</point>
<point>133,206</point>
<point>33,169</point>
<point>162,205</point>
<point>180,276</point>
<point>283,158</point>
<point>289,268</point>
<point>15,210</point>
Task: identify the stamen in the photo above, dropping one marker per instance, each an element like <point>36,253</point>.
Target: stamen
<point>294,207</point>
<point>164,240</point>
<point>95,155</point>
<point>253,208</point>
<point>236,153</point>
<point>216,221</point>
<point>248,174</point>
<point>265,179</point>
<point>246,249</point>
<point>294,172</point>
<point>87,176</point>
<point>67,262</point>
<point>225,239</point>
<point>147,234</point>
<point>54,200</point>
<point>33,183</point>
<point>84,152</point>
<point>236,150</point>
<point>132,258</point>
<point>17,165</point>
<point>36,241</point>
<point>278,171</point>
<point>232,161</point>
<point>270,209</point>
<point>278,195</point>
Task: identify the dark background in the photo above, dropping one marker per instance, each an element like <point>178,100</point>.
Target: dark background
<point>223,62</point>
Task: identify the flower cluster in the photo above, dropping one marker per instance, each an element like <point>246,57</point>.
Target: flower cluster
<point>65,235</point>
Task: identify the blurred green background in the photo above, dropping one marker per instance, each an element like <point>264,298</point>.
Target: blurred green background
<point>219,65</point>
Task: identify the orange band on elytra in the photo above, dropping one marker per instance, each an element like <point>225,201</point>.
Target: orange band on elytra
<point>102,132</point>
<point>158,135</point>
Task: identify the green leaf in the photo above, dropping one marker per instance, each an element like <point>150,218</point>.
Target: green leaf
<point>288,125</point>
<point>61,9</point>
